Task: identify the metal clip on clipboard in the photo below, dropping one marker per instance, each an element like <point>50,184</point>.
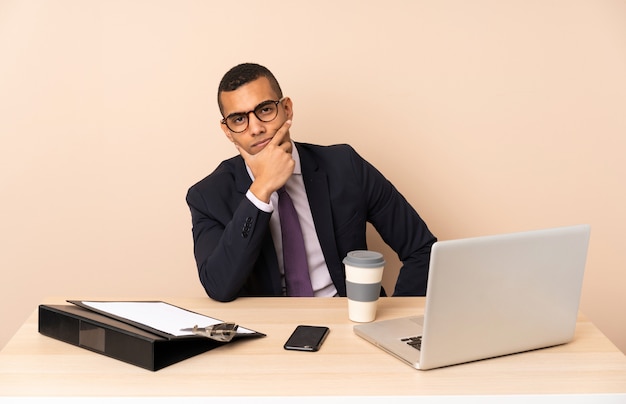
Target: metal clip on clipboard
<point>223,332</point>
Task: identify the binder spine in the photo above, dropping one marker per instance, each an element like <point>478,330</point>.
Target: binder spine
<point>89,334</point>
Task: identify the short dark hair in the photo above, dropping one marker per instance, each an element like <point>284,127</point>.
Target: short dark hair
<point>243,74</point>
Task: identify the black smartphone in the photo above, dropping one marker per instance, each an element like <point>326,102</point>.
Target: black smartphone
<point>307,338</point>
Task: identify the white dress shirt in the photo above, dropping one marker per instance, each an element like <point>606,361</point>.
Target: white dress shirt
<point>320,276</point>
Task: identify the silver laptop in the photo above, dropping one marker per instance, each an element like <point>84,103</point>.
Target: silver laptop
<point>491,296</point>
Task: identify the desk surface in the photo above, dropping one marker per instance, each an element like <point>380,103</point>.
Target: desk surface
<point>34,365</point>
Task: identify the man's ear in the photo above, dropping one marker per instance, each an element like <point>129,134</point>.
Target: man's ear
<point>288,105</point>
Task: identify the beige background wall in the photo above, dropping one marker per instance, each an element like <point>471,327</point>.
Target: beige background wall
<point>490,116</point>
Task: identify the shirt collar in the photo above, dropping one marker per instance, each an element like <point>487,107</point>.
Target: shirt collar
<point>296,156</point>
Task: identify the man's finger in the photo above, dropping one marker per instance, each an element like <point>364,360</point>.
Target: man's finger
<point>279,137</point>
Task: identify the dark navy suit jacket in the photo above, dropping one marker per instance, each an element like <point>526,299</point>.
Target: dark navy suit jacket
<point>233,246</point>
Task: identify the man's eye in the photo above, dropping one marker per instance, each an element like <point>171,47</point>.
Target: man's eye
<point>266,109</point>
<point>237,119</point>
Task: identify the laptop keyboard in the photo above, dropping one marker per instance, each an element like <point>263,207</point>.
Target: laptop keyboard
<point>415,342</point>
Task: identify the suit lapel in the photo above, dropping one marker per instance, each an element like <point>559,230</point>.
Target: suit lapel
<point>316,184</point>
<point>242,178</point>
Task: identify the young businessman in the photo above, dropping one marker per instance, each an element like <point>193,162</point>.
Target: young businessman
<point>238,241</point>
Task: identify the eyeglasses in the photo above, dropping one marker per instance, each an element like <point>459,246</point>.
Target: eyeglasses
<point>266,111</point>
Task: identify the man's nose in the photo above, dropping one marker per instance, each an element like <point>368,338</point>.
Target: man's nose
<point>255,125</point>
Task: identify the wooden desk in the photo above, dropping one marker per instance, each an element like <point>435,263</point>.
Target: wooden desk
<point>35,365</point>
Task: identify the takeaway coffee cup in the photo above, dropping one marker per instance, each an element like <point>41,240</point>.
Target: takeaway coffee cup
<point>364,273</point>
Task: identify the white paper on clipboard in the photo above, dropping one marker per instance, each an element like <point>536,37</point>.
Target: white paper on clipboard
<point>157,315</point>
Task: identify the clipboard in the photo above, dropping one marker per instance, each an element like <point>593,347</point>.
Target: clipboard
<point>126,340</point>
<point>158,317</point>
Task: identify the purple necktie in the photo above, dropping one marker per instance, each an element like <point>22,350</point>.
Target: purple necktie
<point>297,277</point>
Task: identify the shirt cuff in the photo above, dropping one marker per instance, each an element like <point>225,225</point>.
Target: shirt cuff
<point>265,207</point>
